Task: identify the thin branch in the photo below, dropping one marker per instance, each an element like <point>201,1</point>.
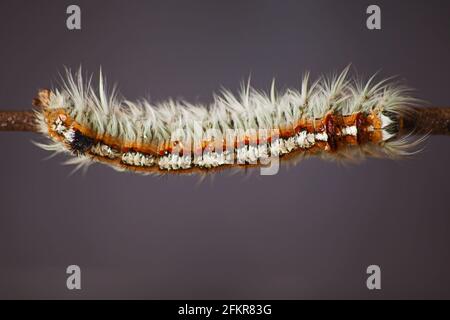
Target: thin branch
<point>18,121</point>
<point>428,120</point>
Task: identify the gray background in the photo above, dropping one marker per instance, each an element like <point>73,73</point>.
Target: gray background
<point>308,232</point>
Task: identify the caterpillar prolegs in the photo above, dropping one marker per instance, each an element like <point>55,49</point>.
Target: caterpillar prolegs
<point>336,117</point>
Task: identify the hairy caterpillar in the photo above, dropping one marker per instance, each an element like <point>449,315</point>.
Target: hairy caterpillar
<point>335,117</point>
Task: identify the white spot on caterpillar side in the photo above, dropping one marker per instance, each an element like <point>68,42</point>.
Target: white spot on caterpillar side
<point>137,159</point>
<point>174,162</point>
<point>69,135</point>
<point>58,125</point>
<point>305,140</point>
<point>322,136</point>
<point>290,144</point>
<point>349,131</point>
<point>385,121</point>
<point>104,151</point>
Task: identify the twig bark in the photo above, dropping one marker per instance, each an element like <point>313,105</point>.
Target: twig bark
<point>17,121</point>
<point>428,120</point>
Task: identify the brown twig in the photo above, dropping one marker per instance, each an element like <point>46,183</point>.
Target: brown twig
<point>428,120</point>
<point>424,120</point>
<point>18,121</point>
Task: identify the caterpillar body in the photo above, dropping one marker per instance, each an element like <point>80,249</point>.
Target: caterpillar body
<point>334,117</point>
